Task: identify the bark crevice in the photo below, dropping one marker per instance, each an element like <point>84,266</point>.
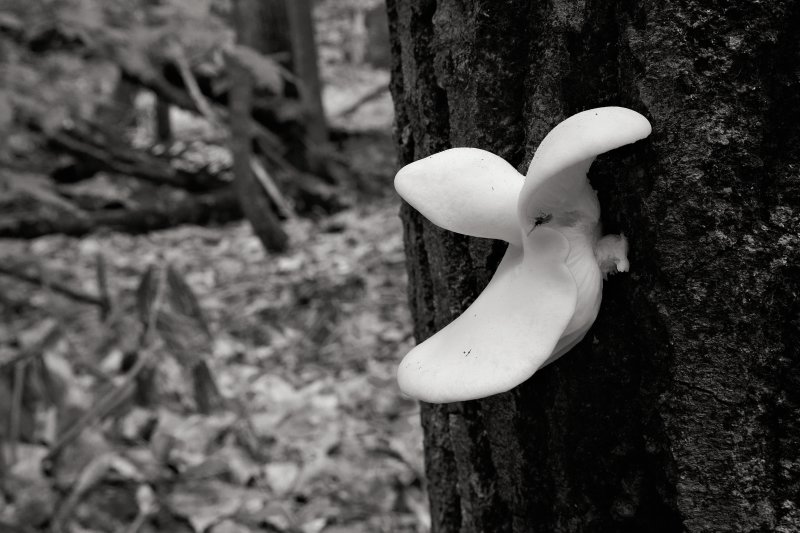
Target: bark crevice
<point>677,412</point>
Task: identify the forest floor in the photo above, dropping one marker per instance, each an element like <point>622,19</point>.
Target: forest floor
<point>104,421</point>
<point>307,342</point>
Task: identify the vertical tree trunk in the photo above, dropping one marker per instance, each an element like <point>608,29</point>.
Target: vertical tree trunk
<point>276,39</point>
<point>276,35</point>
<point>679,410</point>
<point>163,122</point>
<point>119,114</point>
<point>304,60</point>
<point>254,201</point>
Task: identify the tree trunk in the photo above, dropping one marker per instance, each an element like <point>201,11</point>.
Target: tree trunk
<point>276,38</point>
<point>304,60</point>
<point>679,410</point>
<point>119,113</point>
<point>289,33</point>
<point>162,121</point>
<point>253,199</point>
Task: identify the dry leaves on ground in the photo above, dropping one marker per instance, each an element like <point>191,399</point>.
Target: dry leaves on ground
<point>105,427</point>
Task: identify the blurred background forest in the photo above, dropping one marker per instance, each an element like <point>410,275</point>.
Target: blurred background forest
<point>202,281</point>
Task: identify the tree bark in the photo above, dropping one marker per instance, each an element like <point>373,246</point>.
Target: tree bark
<point>679,410</point>
<point>304,60</point>
<point>255,203</point>
<point>163,123</point>
<point>282,19</point>
<point>119,113</point>
<point>276,38</point>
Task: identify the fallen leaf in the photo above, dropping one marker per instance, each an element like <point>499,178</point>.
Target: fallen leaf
<point>204,504</point>
<point>281,477</point>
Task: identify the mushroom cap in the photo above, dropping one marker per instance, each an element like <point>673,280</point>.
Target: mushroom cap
<point>556,182</point>
<point>546,292</point>
<point>507,333</point>
<point>464,190</point>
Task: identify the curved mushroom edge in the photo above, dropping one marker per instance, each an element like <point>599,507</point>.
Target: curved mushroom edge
<point>535,308</point>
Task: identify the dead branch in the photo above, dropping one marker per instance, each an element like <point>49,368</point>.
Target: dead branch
<point>263,177</point>
<point>101,272</point>
<point>38,187</point>
<point>190,82</point>
<point>22,272</point>
<point>104,154</point>
<point>218,206</point>
<point>363,99</point>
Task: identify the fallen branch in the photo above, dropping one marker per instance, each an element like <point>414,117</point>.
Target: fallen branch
<point>21,272</point>
<point>39,188</point>
<point>101,272</point>
<point>97,149</point>
<point>363,99</point>
<point>215,207</point>
<point>276,121</point>
<point>306,190</point>
<point>177,54</point>
<point>266,181</point>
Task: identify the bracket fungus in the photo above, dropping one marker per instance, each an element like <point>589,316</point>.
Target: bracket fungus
<point>546,292</point>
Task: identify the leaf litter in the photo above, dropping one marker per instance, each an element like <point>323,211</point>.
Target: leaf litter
<point>226,390</point>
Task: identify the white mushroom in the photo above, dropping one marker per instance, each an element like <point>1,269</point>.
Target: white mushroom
<point>546,292</point>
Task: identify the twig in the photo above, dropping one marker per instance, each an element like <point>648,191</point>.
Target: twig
<point>3,469</point>
<point>271,189</point>
<point>192,103</point>
<point>371,95</point>
<point>35,187</point>
<point>50,333</point>
<point>114,397</point>
<point>46,334</point>
<point>265,138</point>
<point>16,408</point>
<point>268,142</point>
<point>102,285</point>
<point>55,286</point>
<point>191,84</point>
<point>261,136</point>
<point>99,410</point>
<point>91,474</point>
<point>138,522</point>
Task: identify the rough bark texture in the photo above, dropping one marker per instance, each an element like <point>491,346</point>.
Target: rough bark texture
<point>679,410</point>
